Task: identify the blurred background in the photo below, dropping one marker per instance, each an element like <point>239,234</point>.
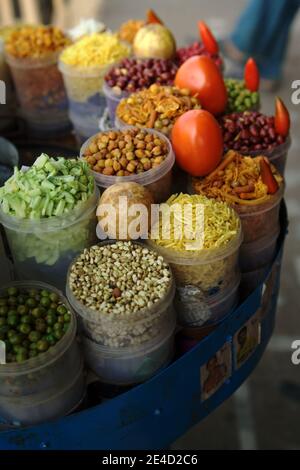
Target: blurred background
<point>264,413</point>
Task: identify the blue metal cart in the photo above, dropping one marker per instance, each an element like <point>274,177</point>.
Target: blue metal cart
<point>156,413</point>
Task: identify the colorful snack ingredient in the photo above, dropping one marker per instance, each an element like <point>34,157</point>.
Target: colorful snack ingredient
<point>48,211</point>
<point>31,322</point>
<point>156,107</point>
<point>122,287</point>
<point>205,268</point>
<point>36,42</point>
<point>250,131</point>
<point>197,48</point>
<point>239,97</point>
<point>126,152</point>
<point>32,54</point>
<point>99,49</point>
<point>252,186</point>
<point>128,30</point>
<point>133,74</point>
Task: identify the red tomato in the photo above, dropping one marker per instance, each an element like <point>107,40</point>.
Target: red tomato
<point>197,142</point>
<point>203,78</point>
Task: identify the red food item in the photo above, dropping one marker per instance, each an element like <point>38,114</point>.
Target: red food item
<point>267,176</point>
<point>208,38</point>
<point>282,118</point>
<point>251,75</point>
<point>250,131</point>
<point>197,48</point>
<point>201,76</point>
<point>152,17</point>
<point>197,142</point>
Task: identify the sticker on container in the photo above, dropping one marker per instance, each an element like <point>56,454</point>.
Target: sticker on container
<point>215,372</point>
<point>246,340</point>
<point>2,353</point>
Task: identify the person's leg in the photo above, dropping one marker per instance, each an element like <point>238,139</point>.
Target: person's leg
<point>263,32</point>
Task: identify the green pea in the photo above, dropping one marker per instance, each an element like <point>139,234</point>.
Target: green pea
<point>248,102</point>
<point>61,319</point>
<point>11,333</point>
<point>37,312</point>
<point>51,339</point>
<point>45,302</point>
<point>62,310</point>
<point>21,299</point>
<point>32,292</point>
<point>26,319</point>
<point>22,309</point>
<point>3,310</point>
<point>13,320</point>
<point>16,339</point>
<point>43,345</point>
<point>53,306</point>
<point>51,319</point>
<point>33,346</point>
<point>22,357</point>
<point>25,329</point>
<point>58,326</point>
<point>34,336</point>
<point>54,297</point>
<point>12,291</point>
<point>40,325</point>
<point>49,330</point>
<point>31,303</point>
<point>12,301</point>
<point>58,334</point>
<point>67,317</point>
<point>44,293</point>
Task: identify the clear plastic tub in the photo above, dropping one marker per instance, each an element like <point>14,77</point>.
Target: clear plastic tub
<point>277,156</point>
<point>259,220</point>
<point>204,274</point>
<point>8,101</point>
<point>214,308</point>
<point>47,406</point>
<point>113,331</point>
<point>82,130</point>
<point>112,100</point>
<point>43,249</point>
<point>256,254</point>
<point>84,89</point>
<point>44,374</point>
<point>40,89</point>
<point>131,365</point>
<point>158,180</point>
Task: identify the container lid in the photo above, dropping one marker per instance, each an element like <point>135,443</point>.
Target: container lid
<point>145,178</point>
<point>53,353</point>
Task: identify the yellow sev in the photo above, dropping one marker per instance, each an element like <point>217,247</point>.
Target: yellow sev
<point>221,223</point>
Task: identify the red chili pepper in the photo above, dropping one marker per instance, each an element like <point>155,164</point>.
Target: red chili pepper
<point>152,17</point>
<point>208,39</point>
<point>282,118</point>
<point>251,75</point>
<point>267,176</point>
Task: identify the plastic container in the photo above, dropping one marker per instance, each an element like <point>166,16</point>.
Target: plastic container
<point>214,309</point>
<point>112,100</point>
<point>43,249</point>
<point>131,365</point>
<point>157,180</point>
<point>86,99</point>
<point>55,368</point>
<point>256,254</point>
<point>41,93</point>
<point>201,275</point>
<point>36,409</point>
<point>7,95</point>
<point>9,158</point>
<point>259,220</point>
<point>113,331</point>
<point>252,279</point>
<point>277,156</point>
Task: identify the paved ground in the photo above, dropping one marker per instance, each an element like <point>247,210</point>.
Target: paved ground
<point>264,413</point>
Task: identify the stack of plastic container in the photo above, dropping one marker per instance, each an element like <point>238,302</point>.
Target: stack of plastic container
<point>48,386</point>
<point>125,351</point>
